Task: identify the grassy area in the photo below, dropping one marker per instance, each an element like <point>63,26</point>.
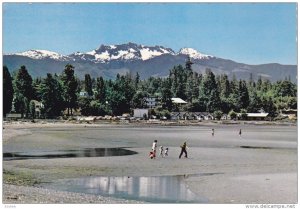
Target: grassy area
<point>24,179</point>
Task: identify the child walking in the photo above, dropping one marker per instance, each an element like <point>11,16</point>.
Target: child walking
<point>161,151</point>
<point>166,151</point>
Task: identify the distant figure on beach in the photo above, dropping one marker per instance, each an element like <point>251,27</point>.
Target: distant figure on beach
<point>166,151</point>
<point>161,151</point>
<point>240,133</point>
<point>213,132</point>
<point>183,150</point>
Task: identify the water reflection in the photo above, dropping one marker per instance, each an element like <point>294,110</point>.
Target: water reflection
<point>87,152</point>
<point>162,189</point>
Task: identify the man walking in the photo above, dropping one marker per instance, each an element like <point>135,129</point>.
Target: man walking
<point>183,150</point>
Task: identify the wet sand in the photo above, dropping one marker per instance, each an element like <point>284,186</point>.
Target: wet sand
<point>259,167</point>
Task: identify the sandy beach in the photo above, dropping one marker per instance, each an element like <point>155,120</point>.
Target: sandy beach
<point>258,167</point>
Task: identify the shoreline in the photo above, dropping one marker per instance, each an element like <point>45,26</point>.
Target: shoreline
<point>46,123</point>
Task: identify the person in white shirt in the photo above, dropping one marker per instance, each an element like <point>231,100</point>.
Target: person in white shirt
<point>154,146</point>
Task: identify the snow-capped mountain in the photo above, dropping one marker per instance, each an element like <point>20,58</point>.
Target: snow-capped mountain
<point>107,53</point>
<point>109,60</point>
<point>42,54</point>
<point>125,52</point>
<point>194,54</point>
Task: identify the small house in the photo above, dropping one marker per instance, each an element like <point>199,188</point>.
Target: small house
<point>38,106</point>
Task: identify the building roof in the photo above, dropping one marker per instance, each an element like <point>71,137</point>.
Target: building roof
<point>257,114</point>
<point>178,101</point>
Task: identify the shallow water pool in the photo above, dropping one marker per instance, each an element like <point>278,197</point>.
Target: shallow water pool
<point>154,189</point>
<point>87,152</point>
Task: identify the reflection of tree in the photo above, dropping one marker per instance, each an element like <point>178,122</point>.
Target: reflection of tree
<point>165,188</point>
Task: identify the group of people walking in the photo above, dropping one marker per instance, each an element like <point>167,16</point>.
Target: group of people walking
<point>163,152</point>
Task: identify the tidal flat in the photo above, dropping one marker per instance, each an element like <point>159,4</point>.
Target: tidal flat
<point>258,167</point>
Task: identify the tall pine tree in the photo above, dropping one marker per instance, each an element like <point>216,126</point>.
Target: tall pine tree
<point>209,93</point>
<point>8,91</point>
<point>243,95</point>
<point>23,89</point>
<point>88,86</point>
<point>166,99</point>
<point>51,96</point>
<point>70,86</point>
<point>101,90</point>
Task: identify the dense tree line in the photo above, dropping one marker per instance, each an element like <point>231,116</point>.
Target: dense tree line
<point>204,93</point>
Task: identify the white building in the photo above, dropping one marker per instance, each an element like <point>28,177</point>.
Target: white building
<point>139,113</point>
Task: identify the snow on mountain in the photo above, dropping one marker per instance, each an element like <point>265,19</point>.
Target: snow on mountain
<point>194,54</point>
<point>127,52</point>
<point>121,52</point>
<point>109,60</point>
<point>41,54</point>
<point>148,53</point>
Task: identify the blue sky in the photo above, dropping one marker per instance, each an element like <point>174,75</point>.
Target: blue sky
<point>252,33</point>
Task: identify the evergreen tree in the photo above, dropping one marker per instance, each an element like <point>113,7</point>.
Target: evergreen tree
<point>259,83</point>
<point>174,80</point>
<point>214,102</point>
<point>8,91</point>
<point>84,105</point>
<point>209,93</point>
<point>120,94</point>
<point>188,65</point>
<point>269,106</point>
<point>196,83</point>
<point>70,87</point>
<point>285,88</point>
<point>266,85</point>
<point>36,88</point>
<point>243,95</point>
<point>251,81</point>
<point>51,96</point>
<point>127,85</point>
<point>20,104</point>
<point>136,80</point>
<point>88,86</point>
<point>189,88</point>
<point>100,89</point>
<point>23,88</point>
<point>255,103</point>
<point>224,86</point>
<point>23,83</point>
<point>97,108</point>
<point>166,99</point>
<point>181,88</point>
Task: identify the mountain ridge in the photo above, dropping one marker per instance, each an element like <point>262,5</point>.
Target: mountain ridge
<point>110,52</point>
<point>109,60</point>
